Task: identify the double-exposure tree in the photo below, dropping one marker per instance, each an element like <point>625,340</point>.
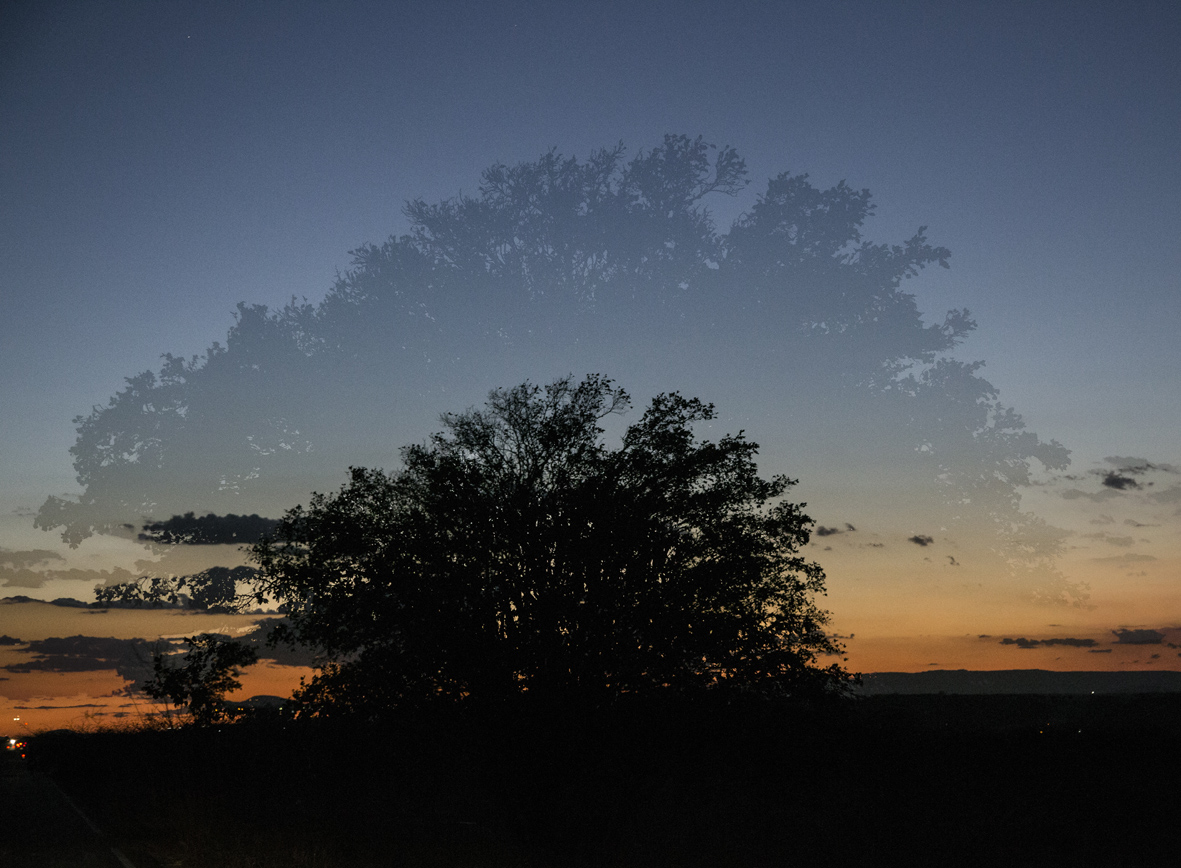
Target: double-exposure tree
<point>515,551</point>
<point>608,263</point>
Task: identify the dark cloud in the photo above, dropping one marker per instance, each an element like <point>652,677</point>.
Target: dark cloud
<point>921,539</point>
<point>130,658</point>
<point>1138,637</point>
<point>821,530</point>
<point>1099,651</point>
<point>8,640</point>
<point>953,561</point>
<point>211,529</point>
<point>1113,479</point>
<point>1022,642</point>
<point>1138,466</point>
<point>1132,523</point>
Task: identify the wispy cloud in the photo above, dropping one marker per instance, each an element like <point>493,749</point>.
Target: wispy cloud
<point>1138,637</point>
<point>1124,560</point>
<point>24,577</point>
<point>1139,466</point>
<point>1121,541</point>
<point>17,560</point>
<point>1022,642</point>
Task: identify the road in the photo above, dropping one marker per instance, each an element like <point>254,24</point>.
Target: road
<point>39,828</point>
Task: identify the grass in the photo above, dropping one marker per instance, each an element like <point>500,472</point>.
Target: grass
<point>959,780</point>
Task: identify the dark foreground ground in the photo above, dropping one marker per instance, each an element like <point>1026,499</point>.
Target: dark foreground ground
<point>885,780</point>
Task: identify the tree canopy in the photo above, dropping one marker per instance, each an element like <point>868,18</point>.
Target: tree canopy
<point>515,552</point>
<point>609,263</point>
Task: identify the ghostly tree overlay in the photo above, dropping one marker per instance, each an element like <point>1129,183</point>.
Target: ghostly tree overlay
<point>612,264</point>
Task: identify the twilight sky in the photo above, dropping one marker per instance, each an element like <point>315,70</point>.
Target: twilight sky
<point>162,162</point>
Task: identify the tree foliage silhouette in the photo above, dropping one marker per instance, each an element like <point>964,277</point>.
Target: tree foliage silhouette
<point>514,551</point>
<point>210,671</point>
<point>610,263</point>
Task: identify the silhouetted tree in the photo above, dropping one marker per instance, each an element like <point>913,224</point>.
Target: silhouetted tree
<point>214,590</point>
<point>516,552</point>
<point>199,685</point>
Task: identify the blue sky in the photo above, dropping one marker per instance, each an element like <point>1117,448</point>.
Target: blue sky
<point>161,162</point>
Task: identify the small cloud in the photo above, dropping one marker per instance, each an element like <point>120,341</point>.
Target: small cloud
<point>1138,466</point>
<point>1131,523</point>
<point>1105,651</point>
<point>954,562</point>
<point>1124,560</point>
<point>8,640</point>
<point>850,527</point>
<point>1138,637</point>
<point>1022,642</point>
<point>1103,519</point>
<point>1112,479</point>
<point>1121,541</point>
<point>875,545</point>
<point>1097,497</point>
<point>821,530</point>
<point>921,540</point>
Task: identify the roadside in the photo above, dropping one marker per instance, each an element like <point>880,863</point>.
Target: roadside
<point>42,828</point>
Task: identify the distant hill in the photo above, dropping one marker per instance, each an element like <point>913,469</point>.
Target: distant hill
<point>1016,681</point>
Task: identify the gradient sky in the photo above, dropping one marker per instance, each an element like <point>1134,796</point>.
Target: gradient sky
<point>161,162</point>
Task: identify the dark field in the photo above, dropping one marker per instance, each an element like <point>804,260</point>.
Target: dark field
<point>885,780</point>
